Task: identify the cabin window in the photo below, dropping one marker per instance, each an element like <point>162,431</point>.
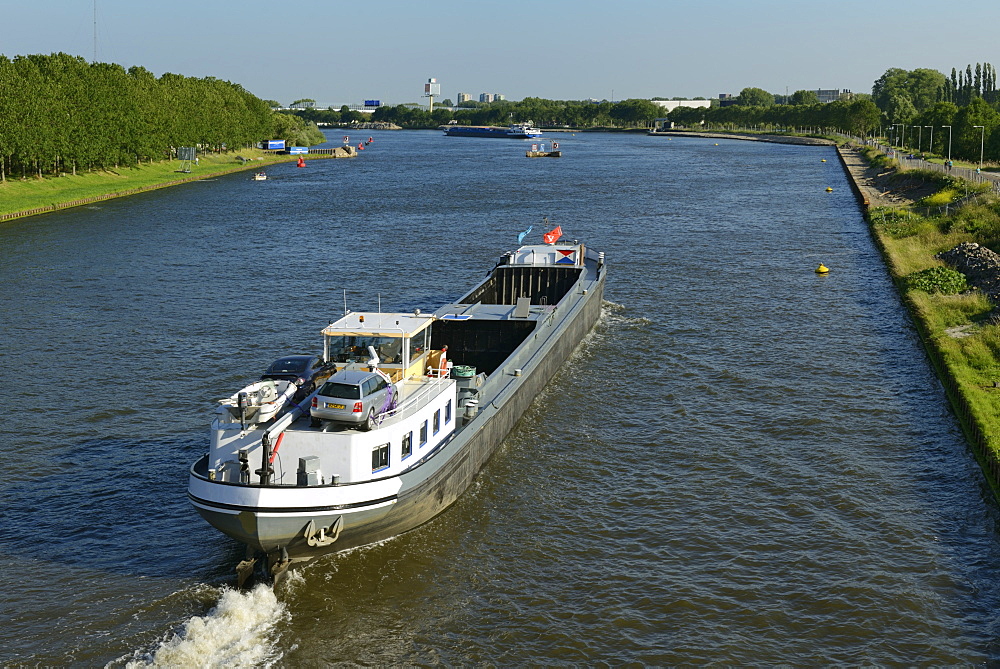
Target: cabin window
<point>407,445</point>
<point>447,412</point>
<point>380,457</point>
<point>437,421</point>
<point>347,348</point>
<point>418,345</point>
<point>423,433</point>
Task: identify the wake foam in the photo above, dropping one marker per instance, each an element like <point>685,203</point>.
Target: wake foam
<point>239,631</point>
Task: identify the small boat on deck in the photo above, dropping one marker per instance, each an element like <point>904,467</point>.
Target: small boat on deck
<point>439,392</point>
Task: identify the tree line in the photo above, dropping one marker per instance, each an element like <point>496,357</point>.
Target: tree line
<point>61,113</point>
<point>574,113</point>
<point>924,108</point>
<point>754,107</point>
<point>959,114</point>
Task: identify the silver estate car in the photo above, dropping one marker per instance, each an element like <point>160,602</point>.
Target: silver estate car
<point>353,397</point>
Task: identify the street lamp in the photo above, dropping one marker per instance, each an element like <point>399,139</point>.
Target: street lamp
<point>949,141</point>
<point>982,138</point>
<point>920,135</point>
<point>930,142</point>
<point>899,138</point>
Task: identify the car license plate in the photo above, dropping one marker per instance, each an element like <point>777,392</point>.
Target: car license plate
<point>330,405</point>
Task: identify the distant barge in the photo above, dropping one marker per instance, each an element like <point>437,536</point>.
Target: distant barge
<point>513,131</point>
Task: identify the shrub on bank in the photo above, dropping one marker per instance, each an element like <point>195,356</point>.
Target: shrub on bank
<point>981,220</point>
<point>942,280</point>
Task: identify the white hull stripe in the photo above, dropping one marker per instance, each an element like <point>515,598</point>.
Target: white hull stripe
<point>222,506</point>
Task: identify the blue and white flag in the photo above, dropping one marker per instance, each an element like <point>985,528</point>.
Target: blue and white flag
<point>522,235</point>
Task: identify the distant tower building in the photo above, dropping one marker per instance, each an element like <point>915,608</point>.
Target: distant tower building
<point>486,97</point>
<point>497,97</point>
<point>464,97</point>
<point>431,88</point>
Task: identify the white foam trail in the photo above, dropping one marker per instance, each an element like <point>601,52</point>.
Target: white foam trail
<point>238,632</point>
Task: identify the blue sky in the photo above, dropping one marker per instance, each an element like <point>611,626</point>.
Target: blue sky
<point>345,52</point>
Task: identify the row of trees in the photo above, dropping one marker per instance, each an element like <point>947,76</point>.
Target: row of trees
<point>60,113</point>
<point>575,113</point>
<point>858,116</point>
<point>755,107</point>
<point>928,111</point>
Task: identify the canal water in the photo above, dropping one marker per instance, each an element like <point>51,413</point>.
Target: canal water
<point>744,463</point>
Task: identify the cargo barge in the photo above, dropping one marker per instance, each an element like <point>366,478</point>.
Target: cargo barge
<point>323,474</point>
<point>513,131</point>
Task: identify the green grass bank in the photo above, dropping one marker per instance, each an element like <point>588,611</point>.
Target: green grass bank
<point>20,197</point>
<point>958,325</point>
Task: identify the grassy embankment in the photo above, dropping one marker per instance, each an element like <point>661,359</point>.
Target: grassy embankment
<point>19,195</point>
<point>959,327</point>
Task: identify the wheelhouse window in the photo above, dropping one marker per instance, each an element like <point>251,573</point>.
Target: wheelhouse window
<point>447,412</point>
<point>354,348</point>
<point>437,421</point>
<point>418,345</point>
<point>423,433</point>
<point>407,445</point>
<point>380,457</point>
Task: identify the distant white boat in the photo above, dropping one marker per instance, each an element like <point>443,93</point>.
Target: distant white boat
<point>260,176</point>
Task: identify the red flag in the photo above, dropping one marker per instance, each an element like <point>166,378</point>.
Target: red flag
<point>552,235</point>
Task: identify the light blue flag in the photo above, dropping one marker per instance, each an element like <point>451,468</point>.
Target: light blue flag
<point>522,235</point>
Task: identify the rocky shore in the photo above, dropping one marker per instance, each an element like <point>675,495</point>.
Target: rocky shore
<point>749,137</point>
<point>981,268</point>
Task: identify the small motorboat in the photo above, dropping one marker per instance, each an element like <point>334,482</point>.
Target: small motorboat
<point>259,402</point>
<point>260,176</point>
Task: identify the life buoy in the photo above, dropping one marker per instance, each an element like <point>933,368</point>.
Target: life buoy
<point>443,368</point>
<point>555,145</point>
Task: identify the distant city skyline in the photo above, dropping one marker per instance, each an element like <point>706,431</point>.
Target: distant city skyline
<point>565,50</point>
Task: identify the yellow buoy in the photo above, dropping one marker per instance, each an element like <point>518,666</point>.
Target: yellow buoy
<point>822,269</point>
<point>823,161</point>
<point>829,190</point>
<point>716,143</point>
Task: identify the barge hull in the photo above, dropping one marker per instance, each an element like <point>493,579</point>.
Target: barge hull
<point>422,492</point>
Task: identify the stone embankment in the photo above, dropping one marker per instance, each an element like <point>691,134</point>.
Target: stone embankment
<point>372,125</point>
<point>749,137</point>
<point>981,268</point>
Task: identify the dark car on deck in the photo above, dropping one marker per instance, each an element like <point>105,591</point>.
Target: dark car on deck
<point>305,371</point>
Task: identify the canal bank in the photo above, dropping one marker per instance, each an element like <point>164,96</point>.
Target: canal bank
<point>975,414</point>
<point>748,137</point>
<point>59,200</point>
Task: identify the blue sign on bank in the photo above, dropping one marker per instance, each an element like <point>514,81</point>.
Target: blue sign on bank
<point>298,149</point>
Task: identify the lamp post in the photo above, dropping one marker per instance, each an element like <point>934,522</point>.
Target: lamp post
<point>982,139</point>
<point>899,136</point>
<point>930,142</point>
<point>949,141</point>
<point>920,136</point>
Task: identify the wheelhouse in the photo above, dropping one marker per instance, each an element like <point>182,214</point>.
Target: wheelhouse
<point>401,342</point>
